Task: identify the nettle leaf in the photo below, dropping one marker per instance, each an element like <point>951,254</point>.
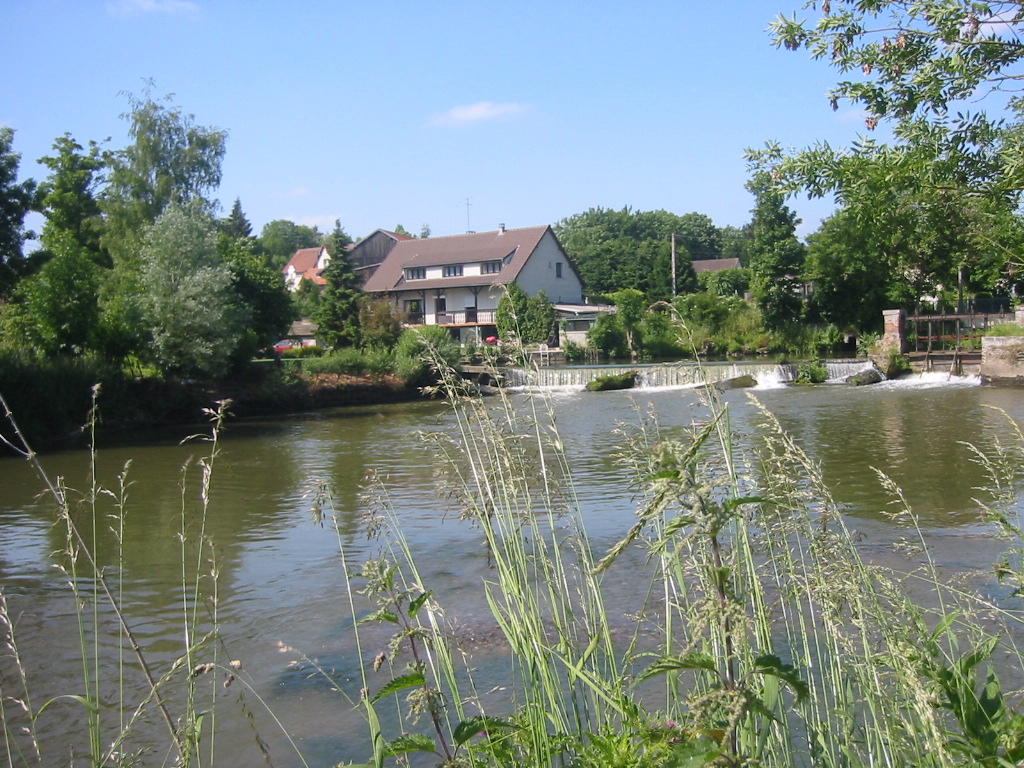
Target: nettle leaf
<point>409,742</point>
<point>400,683</point>
<point>415,605</point>
<point>381,615</point>
<point>772,665</point>
<point>678,663</point>
<point>467,729</point>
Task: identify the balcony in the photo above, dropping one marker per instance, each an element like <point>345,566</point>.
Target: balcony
<point>469,316</point>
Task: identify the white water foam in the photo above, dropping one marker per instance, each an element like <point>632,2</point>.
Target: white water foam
<point>931,379</point>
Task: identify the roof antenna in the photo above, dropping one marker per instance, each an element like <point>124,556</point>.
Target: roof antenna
<point>469,231</point>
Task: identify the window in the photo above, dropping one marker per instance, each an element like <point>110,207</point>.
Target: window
<point>453,270</point>
<point>558,269</point>
<point>416,273</point>
<point>490,267</point>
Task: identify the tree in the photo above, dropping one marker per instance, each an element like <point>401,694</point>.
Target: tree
<point>540,319</point>
<point>725,282</point>
<point>338,240</point>
<point>632,249</point>
<point>190,310</point>
<point>236,225</point>
<point>400,230</point>
<point>55,310</point>
<point>69,198</point>
<point>281,238</point>
<point>379,323</point>
<point>260,291</point>
<point>16,200</point>
<point>776,256</point>
<point>337,313</point>
<point>510,316</point>
<point>630,306</point>
<point>923,67</point>
<point>170,160</point>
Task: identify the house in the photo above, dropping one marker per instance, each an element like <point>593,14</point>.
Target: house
<point>457,281</point>
<point>306,264</point>
<point>370,252</point>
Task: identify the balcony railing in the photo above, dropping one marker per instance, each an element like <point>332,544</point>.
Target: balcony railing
<point>469,316</point>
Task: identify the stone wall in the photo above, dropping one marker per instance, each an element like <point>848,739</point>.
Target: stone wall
<point>1002,359</point>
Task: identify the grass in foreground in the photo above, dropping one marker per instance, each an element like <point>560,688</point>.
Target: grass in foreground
<point>760,638</point>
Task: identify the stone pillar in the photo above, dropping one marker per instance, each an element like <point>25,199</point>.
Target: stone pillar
<point>892,333</point>
<point>1002,359</point>
<point>1018,315</point>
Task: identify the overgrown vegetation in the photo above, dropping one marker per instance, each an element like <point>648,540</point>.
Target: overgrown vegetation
<point>762,637</point>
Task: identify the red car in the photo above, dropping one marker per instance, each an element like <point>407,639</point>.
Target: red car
<point>285,345</point>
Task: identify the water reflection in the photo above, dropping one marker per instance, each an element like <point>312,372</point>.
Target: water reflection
<point>280,581</point>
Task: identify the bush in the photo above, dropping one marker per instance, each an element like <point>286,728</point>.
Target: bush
<point>896,365</point>
<point>811,372</point>
<point>1005,329</point>
<point>418,347</point>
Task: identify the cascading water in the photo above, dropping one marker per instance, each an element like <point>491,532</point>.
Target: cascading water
<point>684,374</point>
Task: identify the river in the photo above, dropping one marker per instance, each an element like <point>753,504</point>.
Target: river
<point>279,588</point>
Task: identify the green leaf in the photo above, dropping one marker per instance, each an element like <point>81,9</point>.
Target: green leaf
<point>772,665</point>
<point>686,661</point>
<point>410,742</point>
<point>410,680</point>
<point>467,729</point>
<point>415,605</point>
<point>381,615</point>
<point>731,504</point>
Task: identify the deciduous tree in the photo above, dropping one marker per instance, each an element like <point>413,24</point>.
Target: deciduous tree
<point>776,256</point>
<point>16,200</point>
<point>70,198</point>
<point>171,160</point>
<point>189,307</point>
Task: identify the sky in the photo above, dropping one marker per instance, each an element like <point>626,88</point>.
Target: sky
<point>455,114</point>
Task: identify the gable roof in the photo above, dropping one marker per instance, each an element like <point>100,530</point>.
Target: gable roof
<point>304,259</point>
<point>714,265</point>
<point>516,245</point>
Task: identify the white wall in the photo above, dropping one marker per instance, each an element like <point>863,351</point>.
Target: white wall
<point>539,274</point>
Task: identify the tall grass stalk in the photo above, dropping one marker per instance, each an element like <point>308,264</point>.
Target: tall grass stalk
<point>775,641</point>
<point>182,692</point>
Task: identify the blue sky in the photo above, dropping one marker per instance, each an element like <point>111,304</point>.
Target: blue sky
<point>391,112</point>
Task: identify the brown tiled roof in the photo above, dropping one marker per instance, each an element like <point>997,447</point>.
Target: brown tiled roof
<point>714,265</point>
<point>303,259</point>
<point>457,249</point>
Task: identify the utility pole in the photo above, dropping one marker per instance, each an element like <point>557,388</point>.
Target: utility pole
<point>673,264</point>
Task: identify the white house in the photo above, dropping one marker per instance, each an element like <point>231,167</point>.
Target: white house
<point>306,264</point>
<point>457,281</point>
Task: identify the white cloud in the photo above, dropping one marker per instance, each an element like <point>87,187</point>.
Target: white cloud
<point>137,7</point>
<point>475,113</point>
<point>298,192</point>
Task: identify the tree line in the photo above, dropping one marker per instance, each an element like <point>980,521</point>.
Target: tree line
<point>133,262</point>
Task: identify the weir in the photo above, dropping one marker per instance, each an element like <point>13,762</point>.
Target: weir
<point>681,374</point>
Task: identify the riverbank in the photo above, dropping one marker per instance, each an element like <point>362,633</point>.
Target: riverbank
<point>53,411</point>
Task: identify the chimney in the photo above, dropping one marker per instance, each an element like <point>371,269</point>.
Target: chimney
<point>501,229</point>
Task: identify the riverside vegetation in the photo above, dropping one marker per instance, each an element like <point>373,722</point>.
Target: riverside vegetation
<point>763,637</point>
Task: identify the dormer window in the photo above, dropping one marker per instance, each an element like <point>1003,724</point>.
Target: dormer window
<point>453,270</point>
<point>490,267</point>
<point>416,273</point>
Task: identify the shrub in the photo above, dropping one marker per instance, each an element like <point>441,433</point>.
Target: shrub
<point>418,351</point>
<point>1005,329</point>
<point>811,372</point>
